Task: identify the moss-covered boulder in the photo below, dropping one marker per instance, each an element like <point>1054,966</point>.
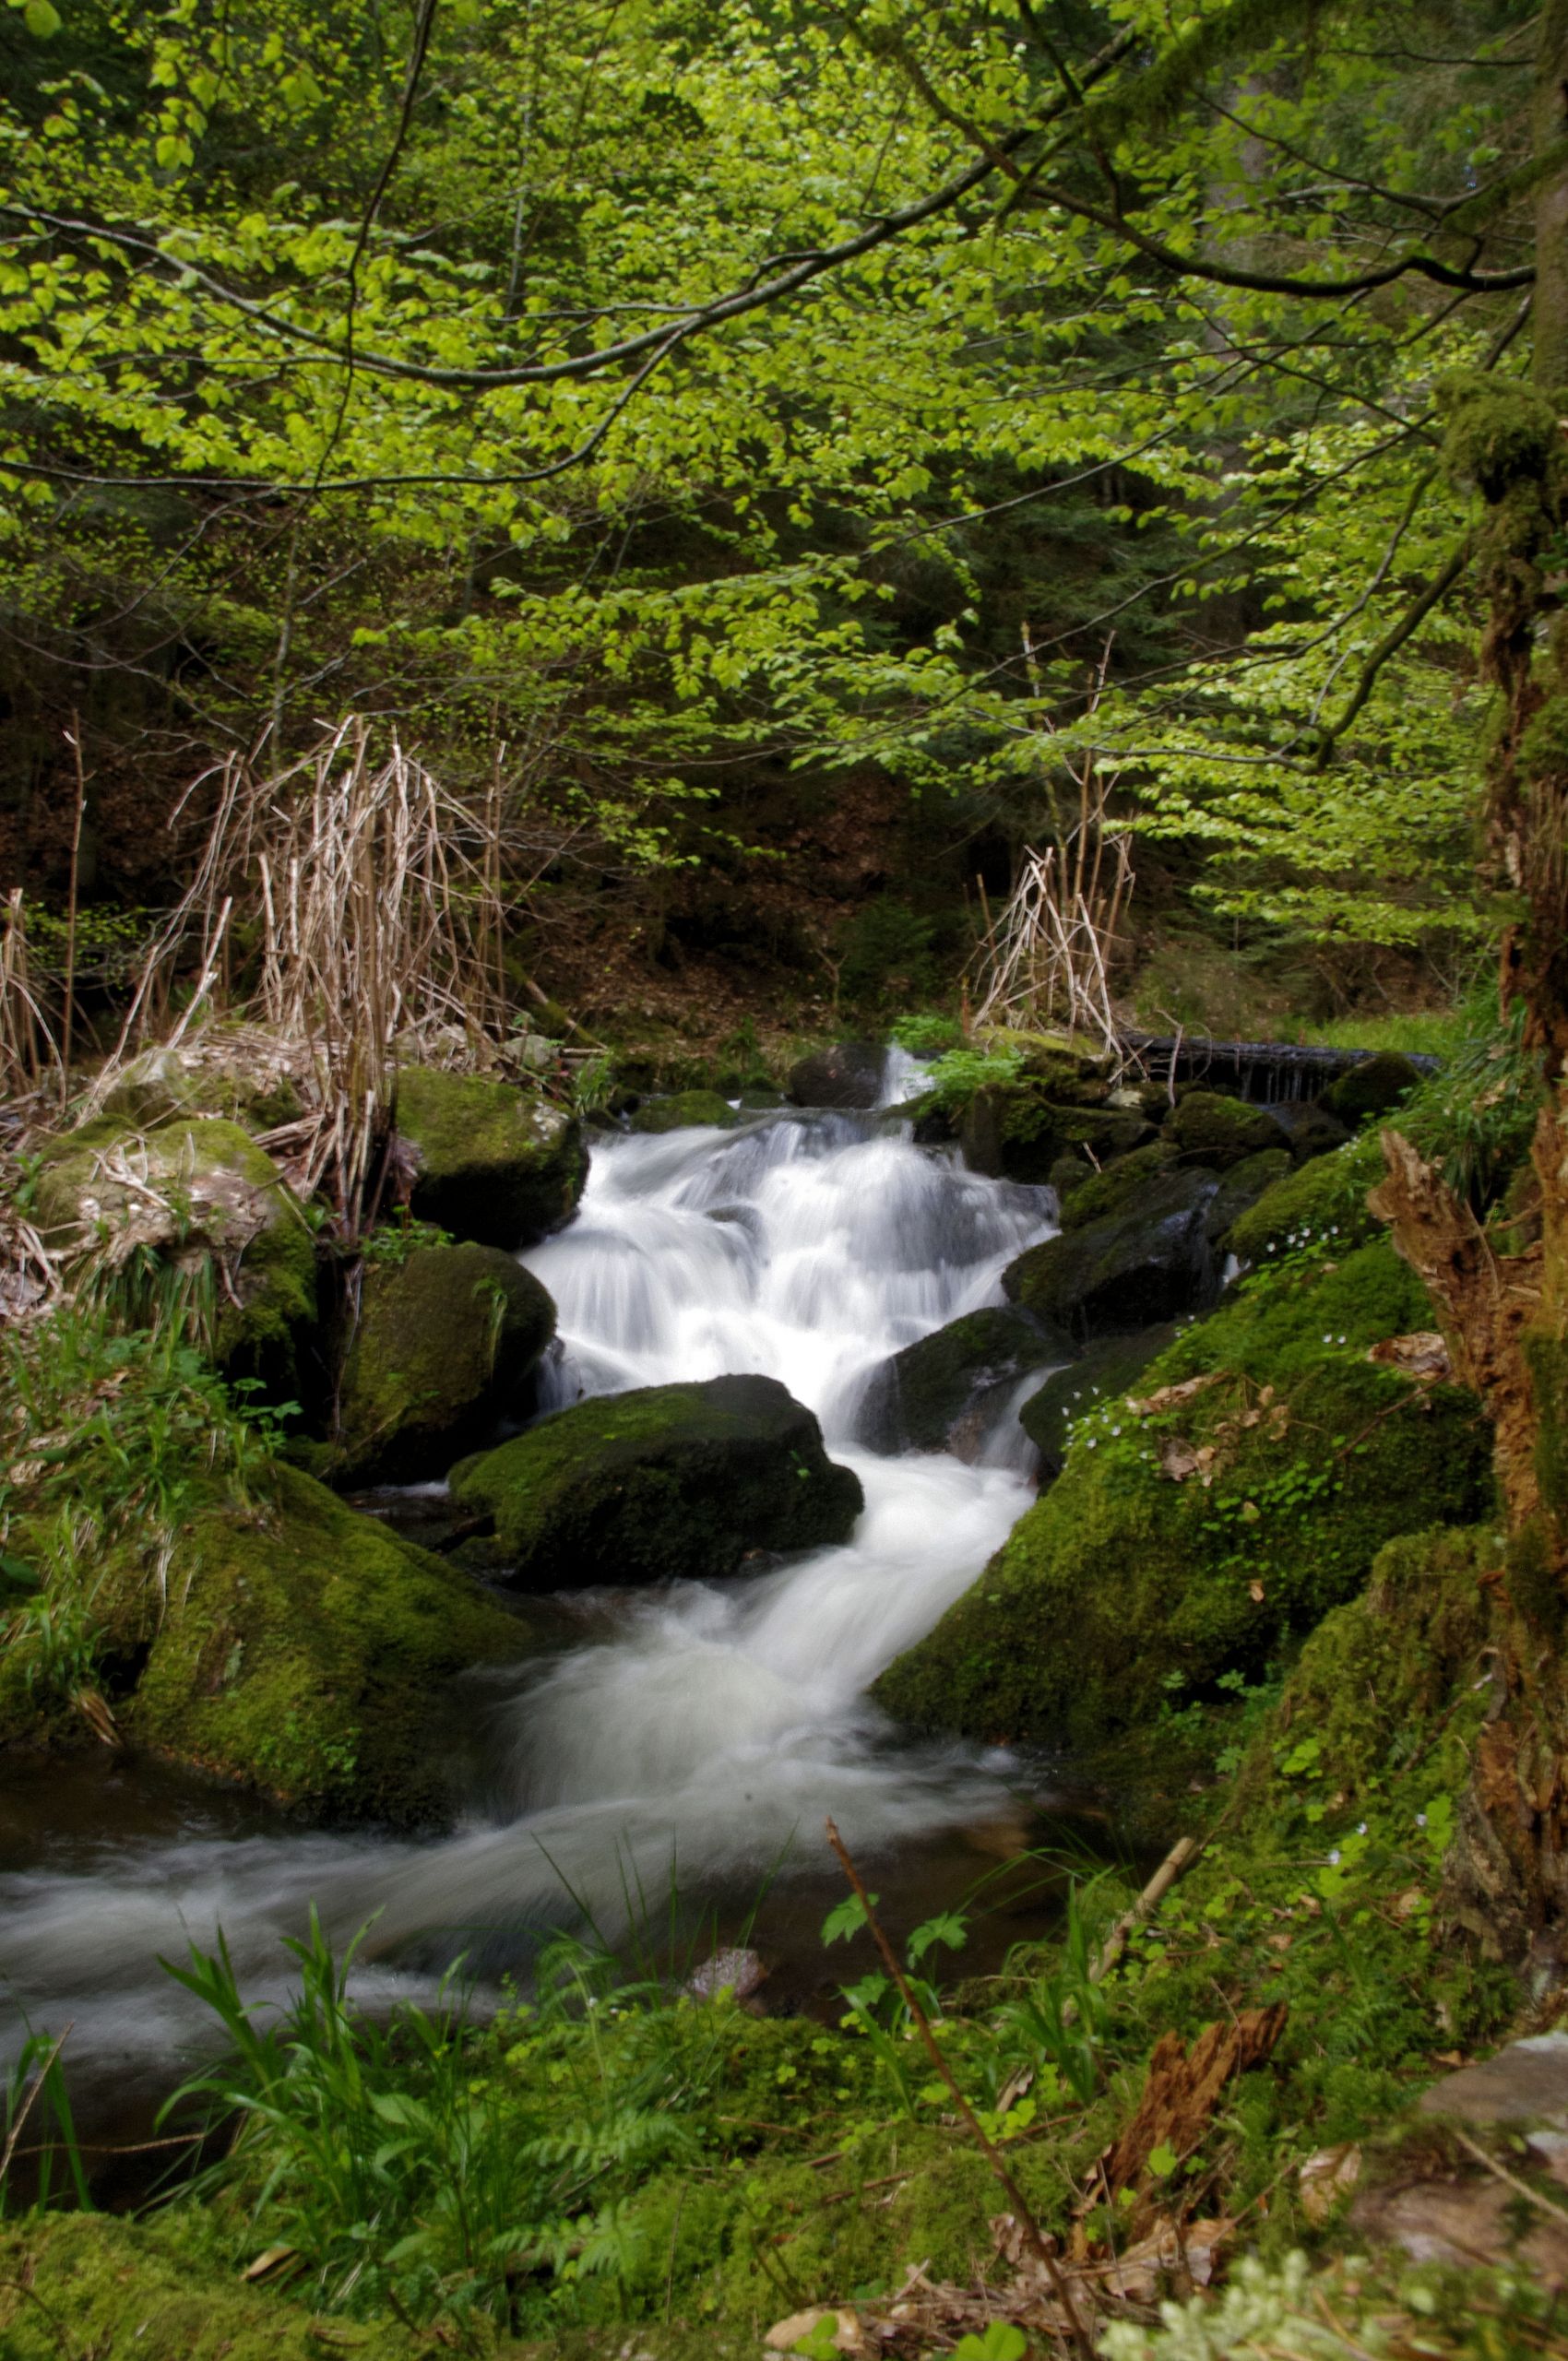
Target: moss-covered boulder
<point>941,1393</point>
<point>1193,1535</point>
<point>243,1075</point>
<point>310,1656</point>
<point>442,1345</point>
<point>1022,1132</point>
<point>665,1481</point>
<point>1130,1269</point>
<point>493,1164</point>
<point>1323,1204</point>
<point>181,1196</point>
<point>1092,1195</point>
<point>1241,1187</point>
<point>1102,1373</point>
<point>1207,1129</point>
<point>848,1075</point>
<point>684,1109</point>
<point>1372,1086</point>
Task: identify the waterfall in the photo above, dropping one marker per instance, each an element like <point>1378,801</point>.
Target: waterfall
<point>710,1726</point>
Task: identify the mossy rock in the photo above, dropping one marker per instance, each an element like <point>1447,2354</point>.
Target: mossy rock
<point>663,1482</point>
<point>1310,1128</point>
<point>1204,1128</point>
<point>1021,1133</point>
<point>1147,1564</point>
<point>939,1395</point>
<point>848,1075</point>
<point>162,2288</point>
<point>1128,1270</point>
<point>1384,1665</point>
<point>215,1074</point>
<point>1094,1196</point>
<point>494,1164</point>
<point>224,1196</point>
<point>443,1345</point>
<point>1241,1187</point>
<point>307,1652</point>
<point>1103,1374</point>
<point>686,1110</point>
<point>1324,1201</point>
<point>1374,1087</point>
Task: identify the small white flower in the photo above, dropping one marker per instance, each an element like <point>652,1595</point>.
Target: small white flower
<point>1420,1819</point>
<point>1361,1828</point>
<point>1334,1857</point>
<point>1328,1340</point>
<point>1090,1444</point>
<point>1342,1340</point>
<point>1115,1431</point>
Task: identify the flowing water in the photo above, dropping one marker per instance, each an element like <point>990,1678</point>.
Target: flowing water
<point>711,1726</point>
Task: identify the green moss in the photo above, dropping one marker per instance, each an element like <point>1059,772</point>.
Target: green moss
<point>81,2284</point>
<point>1241,1187</point>
<point>497,1165</point>
<point>1096,1195</point>
<point>1325,1198</point>
<point>1546,1357</point>
<point>688,1108</point>
<point>1123,1582</point>
<point>236,1204</point>
<point>305,1651</point>
<point>443,1344</point>
<point>664,1481</point>
<point>1207,1129</point>
<point>1105,1372</point>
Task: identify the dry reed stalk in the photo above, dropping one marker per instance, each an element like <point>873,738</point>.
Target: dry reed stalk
<point>379,898</point>
<point>28,1052</point>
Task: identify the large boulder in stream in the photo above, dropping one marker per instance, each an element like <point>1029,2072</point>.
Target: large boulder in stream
<point>665,1481</point>
<point>942,1394</point>
<point>490,1163</point>
<point>683,1111</point>
<point>193,1205</point>
<point>442,1345</point>
<point>285,1643</point>
<point>1243,1490</point>
<point>1146,1261</point>
<point>849,1075</point>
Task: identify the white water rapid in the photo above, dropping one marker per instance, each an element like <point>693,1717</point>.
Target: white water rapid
<point>710,1726</point>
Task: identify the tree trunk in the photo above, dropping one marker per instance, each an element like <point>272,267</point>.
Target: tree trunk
<point>1506,1314</point>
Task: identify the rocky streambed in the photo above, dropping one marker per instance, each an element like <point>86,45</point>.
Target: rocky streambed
<point>742,1526</point>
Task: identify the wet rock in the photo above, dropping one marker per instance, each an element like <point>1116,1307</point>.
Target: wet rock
<point>940,1394</point>
<point>1093,1195</point>
<point>1373,1087</point>
<point>1206,1129</point>
<point>178,1193</point>
<point>443,1345</point>
<point>1106,1370</point>
<point>664,1482</point>
<point>739,1972</point>
<point>1241,1189</point>
<point>1463,2222</point>
<point>1129,1270</point>
<point>686,1109</point>
<point>1310,1128</point>
<point>1525,2084</point>
<point>491,1163</point>
<point>849,1075</point>
<point>304,1651</point>
<point>1022,1134</point>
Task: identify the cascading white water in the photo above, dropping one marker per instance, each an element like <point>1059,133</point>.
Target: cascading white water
<point>716,1724</point>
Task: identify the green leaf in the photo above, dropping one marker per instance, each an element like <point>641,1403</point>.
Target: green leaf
<point>42,19</point>
<point>1003,2340</point>
<point>847,1919</point>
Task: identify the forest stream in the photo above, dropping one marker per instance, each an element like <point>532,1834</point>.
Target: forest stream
<point>695,1736</point>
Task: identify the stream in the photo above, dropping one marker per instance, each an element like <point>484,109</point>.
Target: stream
<point>695,1736</point>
